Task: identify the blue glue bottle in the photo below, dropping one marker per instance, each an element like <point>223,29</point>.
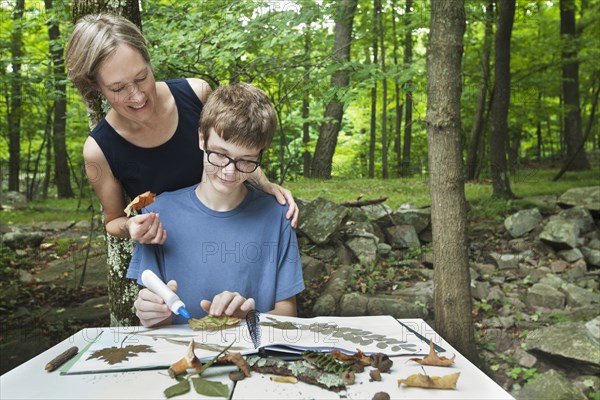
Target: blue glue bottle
<point>155,284</point>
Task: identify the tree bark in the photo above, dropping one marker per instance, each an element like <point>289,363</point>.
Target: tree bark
<point>452,295</point>
<point>384,139</point>
<point>408,101</point>
<point>122,292</point>
<point>570,83</point>
<point>328,132</point>
<point>501,102</point>
<point>398,103</point>
<point>15,112</point>
<point>373,125</point>
<point>305,110</point>
<point>62,176</point>
<point>478,121</point>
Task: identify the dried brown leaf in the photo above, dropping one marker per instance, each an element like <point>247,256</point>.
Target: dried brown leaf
<point>433,359</point>
<point>115,355</point>
<point>140,202</point>
<point>431,382</point>
<point>358,356</point>
<point>237,359</point>
<point>212,323</point>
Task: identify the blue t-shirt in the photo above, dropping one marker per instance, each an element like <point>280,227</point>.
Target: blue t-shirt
<point>251,249</point>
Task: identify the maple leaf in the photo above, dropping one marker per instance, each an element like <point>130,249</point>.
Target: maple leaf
<point>114,355</point>
<point>140,202</point>
<point>433,359</point>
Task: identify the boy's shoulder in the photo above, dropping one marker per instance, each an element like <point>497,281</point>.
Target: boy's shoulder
<point>167,199</point>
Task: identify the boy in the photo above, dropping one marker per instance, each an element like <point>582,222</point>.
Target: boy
<point>230,248</point>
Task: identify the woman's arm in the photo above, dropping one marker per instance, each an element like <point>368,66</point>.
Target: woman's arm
<point>145,228</point>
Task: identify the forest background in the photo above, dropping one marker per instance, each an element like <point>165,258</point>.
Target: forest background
<point>353,82</point>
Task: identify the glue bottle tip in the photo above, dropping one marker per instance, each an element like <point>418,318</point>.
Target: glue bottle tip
<point>184,313</point>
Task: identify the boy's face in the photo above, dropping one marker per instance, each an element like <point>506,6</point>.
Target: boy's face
<point>227,165</point>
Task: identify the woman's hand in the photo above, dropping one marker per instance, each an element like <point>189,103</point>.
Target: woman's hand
<point>151,309</point>
<point>284,195</point>
<point>146,229</point>
<point>231,304</point>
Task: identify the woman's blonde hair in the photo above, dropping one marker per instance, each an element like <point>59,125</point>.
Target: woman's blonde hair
<point>94,39</point>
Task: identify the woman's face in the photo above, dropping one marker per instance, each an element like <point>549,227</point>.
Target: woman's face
<point>127,82</point>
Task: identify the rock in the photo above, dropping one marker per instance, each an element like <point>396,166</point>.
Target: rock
<point>594,244</point>
<point>379,213</point>
<point>353,228</point>
<point>558,266</point>
<point>364,247</point>
<point>588,197</point>
<point>499,338</point>
<point>84,225</point>
<point>383,250</point>
<point>419,218</point>
<point>396,307</point>
<point>560,234</point>
<point>507,261</point>
<point>402,236</point>
<point>21,240</point>
<point>567,343</point>
<point>92,310</point>
<point>420,293</point>
<point>426,236</point>
<point>550,386</point>
<point>26,278</point>
<point>312,268</point>
<point>480,290</point>
<point>570,255</point>
<point>552,280</point>
<point>578,270</point>
<point>592,330</point>
<point>525,359</point>
<point>13,199</point>
<point>495,293</point>
<point>325,305</point>
<point>542,295</point>
<point>592,256</point>
<point>57,225</point>
<point>577,296</point>
<point>320,219</point>
<point>545,203</point>
<point>353,304</point>
<point>484,269</point>
<point>588,382</point>
<point>522,222</point>
<point>579,215</point>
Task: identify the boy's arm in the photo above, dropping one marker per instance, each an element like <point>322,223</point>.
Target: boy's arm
<point>285,307</point>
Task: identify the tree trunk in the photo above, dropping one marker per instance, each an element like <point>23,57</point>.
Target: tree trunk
<point>62,176</point>
<point>478,120</point>
<point>384,140</point>
<point>501,102</point>
<point>14,113</point>
<point>452,295</point>
<point>408,102</point>
<point>373,126</point>
<point>328,132</point>
<point>305,110</point>
<point>398,103</point>
<point>122,292</point>
<point>570,83</point>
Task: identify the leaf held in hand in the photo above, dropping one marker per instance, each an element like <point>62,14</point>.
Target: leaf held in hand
<point>212,323</point>
<point>433,359</point>
<point>179,388</point>
<point>140,202</point>
<point>431,382</point>
<point>210,388</point>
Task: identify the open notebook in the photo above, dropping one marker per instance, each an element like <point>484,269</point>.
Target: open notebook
<point>137,348</point>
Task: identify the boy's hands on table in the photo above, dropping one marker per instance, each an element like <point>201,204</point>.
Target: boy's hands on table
<point>151,309</point>
<point>228,303</point>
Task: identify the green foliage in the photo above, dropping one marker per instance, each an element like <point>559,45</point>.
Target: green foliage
<point>524,374</point>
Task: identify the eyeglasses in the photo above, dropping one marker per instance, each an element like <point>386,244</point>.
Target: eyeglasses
<point>221,160</point>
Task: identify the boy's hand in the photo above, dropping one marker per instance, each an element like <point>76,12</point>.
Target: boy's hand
<point>151,309</point>
<point>284,195</point>
<point>146,229</point>
<point>228,303</point>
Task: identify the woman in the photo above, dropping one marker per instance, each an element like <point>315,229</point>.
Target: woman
<point>148,140</point>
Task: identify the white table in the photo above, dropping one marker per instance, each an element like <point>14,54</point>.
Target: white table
<point>31,381</point>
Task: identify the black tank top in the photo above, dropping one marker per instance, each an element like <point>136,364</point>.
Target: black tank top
<point>173,165</point>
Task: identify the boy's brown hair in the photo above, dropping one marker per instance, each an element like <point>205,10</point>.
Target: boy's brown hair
<point>241,114</point>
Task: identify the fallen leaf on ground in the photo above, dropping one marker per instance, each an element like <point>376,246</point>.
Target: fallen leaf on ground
<point>433,359</point>
<point>431,382</point>
<point>140,202</point>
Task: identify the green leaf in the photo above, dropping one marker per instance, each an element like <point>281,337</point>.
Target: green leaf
<point>178,389</point>
<point>210,388</point>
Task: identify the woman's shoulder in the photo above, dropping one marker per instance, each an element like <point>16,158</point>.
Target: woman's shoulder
<point>201,88</point>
